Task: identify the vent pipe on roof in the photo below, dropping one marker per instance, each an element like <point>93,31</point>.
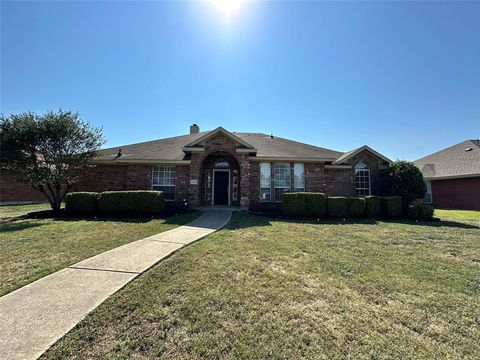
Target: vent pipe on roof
<point>194,129</point>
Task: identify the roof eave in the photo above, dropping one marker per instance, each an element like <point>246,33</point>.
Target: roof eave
<point>286,159</point>
<point>460,176</point>
<point>140,162</point>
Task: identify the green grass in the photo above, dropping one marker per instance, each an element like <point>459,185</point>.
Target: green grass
<point>33,248</point>
<point>460,215</point>
<point>265,288</point>
<point>11,211</point>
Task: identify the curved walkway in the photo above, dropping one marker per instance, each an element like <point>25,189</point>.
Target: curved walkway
<point>33,317</point>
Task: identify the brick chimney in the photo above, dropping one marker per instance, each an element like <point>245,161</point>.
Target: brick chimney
<point>194,129</point>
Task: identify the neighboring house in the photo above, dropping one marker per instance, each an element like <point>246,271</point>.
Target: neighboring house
<point>219,167</point>
<point>452,176</point>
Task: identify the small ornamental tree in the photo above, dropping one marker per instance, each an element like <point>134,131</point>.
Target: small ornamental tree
<point>403,178</point>
<point>48,151</point>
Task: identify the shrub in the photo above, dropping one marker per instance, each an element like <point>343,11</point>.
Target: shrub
<point>421,212</point>
<point>337,206</point>
<point>132,202</point>
<point>316,204</point>
<point>82,203</point>
<point>304,204</point>
<point>391,206</point>
<point>294,204</point>
<point>403,178</point>
<point>356,206</point>
<point>373,208</point>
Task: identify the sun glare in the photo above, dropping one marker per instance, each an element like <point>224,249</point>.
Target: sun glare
<point>228,8</point>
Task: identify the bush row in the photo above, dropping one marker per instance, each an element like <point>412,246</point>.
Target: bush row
<point>318,205</point>
<point>138,202</point>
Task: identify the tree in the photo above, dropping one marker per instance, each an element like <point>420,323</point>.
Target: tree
<point>403,178</point>
<point>48,151</point>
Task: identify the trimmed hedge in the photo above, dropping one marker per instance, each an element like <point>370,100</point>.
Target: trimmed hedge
<point>356,206</point>
<point>373,207</point>
<point>345,207</point>
<point>303,204</point>
<point>391,206</point>
<point>132,202</point>
<point>337,206</point>
<point>420,211</point>
<point>82,203</point>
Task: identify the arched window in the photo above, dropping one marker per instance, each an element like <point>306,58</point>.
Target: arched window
<point>222,164</point>
<point>362,179</point>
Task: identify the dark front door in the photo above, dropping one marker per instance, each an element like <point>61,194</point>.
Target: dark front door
<point>220,188</point>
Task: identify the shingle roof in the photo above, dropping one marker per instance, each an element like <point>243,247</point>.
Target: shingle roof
<point>278,147</point>
<point>170,149</point>
<point>454,161</point>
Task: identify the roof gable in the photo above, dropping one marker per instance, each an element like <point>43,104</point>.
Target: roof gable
<point>348,155</point>
<point>219,130</point>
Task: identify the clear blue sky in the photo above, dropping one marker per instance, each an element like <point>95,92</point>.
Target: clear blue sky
<point>403,78</point>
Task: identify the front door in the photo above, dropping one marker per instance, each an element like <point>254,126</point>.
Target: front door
<point>220,187</point>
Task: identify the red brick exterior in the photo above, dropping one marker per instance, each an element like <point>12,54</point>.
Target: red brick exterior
<point>217,145</point>
<point>13,190</point>
<point>457,193</point>
<point>190,179</point>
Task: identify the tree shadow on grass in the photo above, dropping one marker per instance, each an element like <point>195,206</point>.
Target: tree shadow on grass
<point>9,226</point>
<point>171,219</point>
<point>268,217</point>
<point>436,223</point>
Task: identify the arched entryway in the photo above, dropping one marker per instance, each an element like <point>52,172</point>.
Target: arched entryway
<point>220,180</point>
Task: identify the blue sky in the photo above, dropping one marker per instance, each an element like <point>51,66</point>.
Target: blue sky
<point>403,78</point>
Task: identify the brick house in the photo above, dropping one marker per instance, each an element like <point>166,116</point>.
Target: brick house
<point>452,176</point>
<point>219,167</point>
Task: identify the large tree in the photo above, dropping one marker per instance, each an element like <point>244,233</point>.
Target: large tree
<point>48,151</point>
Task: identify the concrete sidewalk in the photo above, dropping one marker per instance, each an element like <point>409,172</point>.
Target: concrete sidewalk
<point>33,317</point>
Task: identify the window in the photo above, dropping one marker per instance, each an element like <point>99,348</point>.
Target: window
<point>362,179</point>
<point>282,180</point>
<point>265,181</point>
<point>298,178</point>
<point>222,164</point>
<point>163,179</point>
<point>428,195</point>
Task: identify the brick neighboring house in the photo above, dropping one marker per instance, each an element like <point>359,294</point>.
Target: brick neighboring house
<point>219,167</point>
<point>452,176</point>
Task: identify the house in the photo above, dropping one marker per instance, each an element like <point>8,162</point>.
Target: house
<point>452,176</point>
<point>220,167</point>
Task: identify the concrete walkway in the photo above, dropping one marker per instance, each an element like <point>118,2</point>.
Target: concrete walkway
<point>33,317</point>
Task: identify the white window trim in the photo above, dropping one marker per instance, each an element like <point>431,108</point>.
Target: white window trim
<point>269,186</point>
<point>274,185</point>
<point>293,183</point>
<point>175,178</point>
<point>367,169</point>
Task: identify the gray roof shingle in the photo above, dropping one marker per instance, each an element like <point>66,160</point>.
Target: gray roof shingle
<point>454,161</point>
<point>170,149</point>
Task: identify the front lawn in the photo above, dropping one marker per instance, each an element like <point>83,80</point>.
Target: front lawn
<point>266,288</point>
<point>460,215</point>
<point>33,248</point>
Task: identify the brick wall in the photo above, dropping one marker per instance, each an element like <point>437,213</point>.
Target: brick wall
<point>13,190</point>
<point>130,177</point>
<point>216,145</point>
<point>115,177</point>
<point>457,193</point>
